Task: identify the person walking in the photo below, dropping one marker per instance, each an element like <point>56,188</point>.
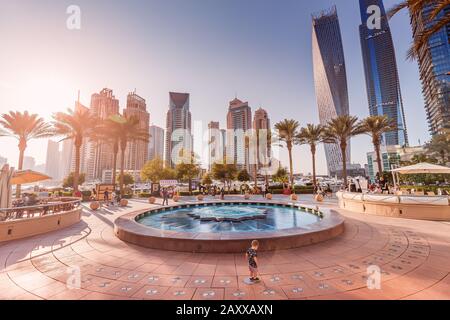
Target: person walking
<point>165,195</point>
<point>106,195</point>
<point>263,191</point>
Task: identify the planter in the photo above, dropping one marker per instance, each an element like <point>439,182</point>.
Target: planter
<point>269,196</point>
<point>200,197</point>
<point>123,202</point>
<point>294,197</point>
<point>176,198</point>
<point>94,205</point>
<point>152,200</point>
<point>319,198</point>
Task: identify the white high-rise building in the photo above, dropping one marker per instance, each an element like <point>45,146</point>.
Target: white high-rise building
<point>53,161</point>
<point>156,143</point>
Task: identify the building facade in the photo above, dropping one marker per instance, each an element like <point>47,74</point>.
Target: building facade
<point>381,72</point>
<point>178,127</point>
<point>156,143</point>
<point>261,121</point>
<point>53,161</point>
<point>239,122</point>
<point>330,77</point>
<point>136,153</point>
<point>216,144</point>
<point>100,154</point>
<point>391,157</point>
<point>434,67</point>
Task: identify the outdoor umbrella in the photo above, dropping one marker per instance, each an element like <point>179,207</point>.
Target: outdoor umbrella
<point>423,168</point>
<point>5,186</point>
<point>28,176</point>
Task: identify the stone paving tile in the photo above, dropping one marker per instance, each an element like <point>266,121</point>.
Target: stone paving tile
<point>209,294</point>
<point>151,292</point>
<point>239,293</point>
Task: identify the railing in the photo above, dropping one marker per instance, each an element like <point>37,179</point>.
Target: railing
<point>395,199</point>
<point>47,206</point>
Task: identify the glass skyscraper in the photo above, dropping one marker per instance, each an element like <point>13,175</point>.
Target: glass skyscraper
<point>434,67</point>
<point>380,66</point>
<point>330,78</point>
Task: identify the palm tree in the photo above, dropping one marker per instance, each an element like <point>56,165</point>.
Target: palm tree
<point>287,133</point>
<point>312,135</point>
<point>24,127</point>
<point>439,145</point>
<point>339,131</point>
<point>376,126</point>
<point>77,126</point>
<point>130,130</point>
<point>109,132</point>
<point>437,19</point>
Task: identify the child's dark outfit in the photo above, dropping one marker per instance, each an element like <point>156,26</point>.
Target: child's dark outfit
<point>251,260</point>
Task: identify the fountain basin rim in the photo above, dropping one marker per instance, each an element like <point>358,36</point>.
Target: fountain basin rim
<point>129,230</point>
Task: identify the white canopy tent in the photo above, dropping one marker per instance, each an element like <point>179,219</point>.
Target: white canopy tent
<point>421,168</point>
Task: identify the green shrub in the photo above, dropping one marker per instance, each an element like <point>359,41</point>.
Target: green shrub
<point>144,195</point>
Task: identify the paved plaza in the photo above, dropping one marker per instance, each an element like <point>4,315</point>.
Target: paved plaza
<point>414,258</point>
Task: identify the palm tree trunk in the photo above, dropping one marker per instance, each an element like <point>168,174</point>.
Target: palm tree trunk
<point>291,173</point>
<point>190,185</point>
<point>114,171</point>
<point>20,167</point>
<point>256,175</point>
<point>344,164</point>
<point>313,152</point>
<point>76,174</point>
<point>378,153</point>
<point>122,165</point>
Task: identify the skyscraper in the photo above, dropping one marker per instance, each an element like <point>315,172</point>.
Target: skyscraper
<point>434,67</point>
<point>29,163</point>
<point>261,121</point>
<point>380,66</point>
<point>156,143</point>
<point>216,144</point>
<point>239,121</point>
<point>53,160</point>
<point>136,153</point>
<point>330,77</point>
<point>100,154</point>
<point>178,126</point>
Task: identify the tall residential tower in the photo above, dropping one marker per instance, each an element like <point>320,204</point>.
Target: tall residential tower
<point>434,67</point>
<point>239,121</point>
<point>330,78</point>
<point>380,66</point>
<point>156,144</point>
<point>137,151</point>
<point>178,127</point>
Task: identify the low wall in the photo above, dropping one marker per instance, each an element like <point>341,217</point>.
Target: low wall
<point>436,208</point>
<point>23,228</point>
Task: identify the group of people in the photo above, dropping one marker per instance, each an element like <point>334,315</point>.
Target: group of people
<point>110,198</point>
<point>324,191</point>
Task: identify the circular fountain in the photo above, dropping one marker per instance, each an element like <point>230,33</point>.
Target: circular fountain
<point>229,227</point>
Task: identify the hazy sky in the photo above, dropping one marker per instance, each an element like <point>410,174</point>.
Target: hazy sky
<point>213,49</point>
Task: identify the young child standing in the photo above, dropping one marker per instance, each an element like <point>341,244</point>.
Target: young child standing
<point>252,257</point>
